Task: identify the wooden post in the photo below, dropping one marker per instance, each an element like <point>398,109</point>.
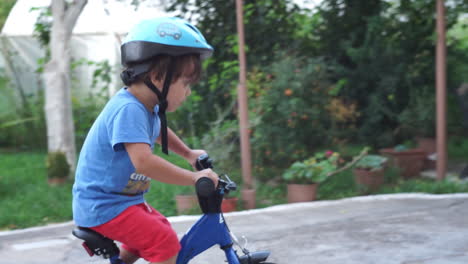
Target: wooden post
<point>248,193</point>
<point>441,93</point>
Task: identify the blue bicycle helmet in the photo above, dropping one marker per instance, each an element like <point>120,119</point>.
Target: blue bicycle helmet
<point>166,35</point>
<point>160,36</point>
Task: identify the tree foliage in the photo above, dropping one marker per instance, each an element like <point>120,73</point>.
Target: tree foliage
<point>386,55</point>
<point>269,26</point>
<point>5,7</point>
<point>379,56</point>
<point>350,70</point>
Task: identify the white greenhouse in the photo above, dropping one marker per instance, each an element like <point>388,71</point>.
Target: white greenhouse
<point>96,38</point>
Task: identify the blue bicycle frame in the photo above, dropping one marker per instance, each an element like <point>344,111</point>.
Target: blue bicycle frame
<point>209,230</point>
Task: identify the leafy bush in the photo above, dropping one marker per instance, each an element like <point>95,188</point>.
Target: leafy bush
<point>290,107</point>
<point>222,143</point>
<point>57,165</point>
<point>385,52</point>
<point>458,148</point>
<point>270,27</point>
<point>85,112</point>
<point>418,118</point>
<point>22,121</point>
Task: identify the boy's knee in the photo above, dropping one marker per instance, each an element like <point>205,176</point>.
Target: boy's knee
<point>171,260</point>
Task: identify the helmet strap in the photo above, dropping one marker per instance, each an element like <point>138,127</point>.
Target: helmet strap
<point>162,96</point>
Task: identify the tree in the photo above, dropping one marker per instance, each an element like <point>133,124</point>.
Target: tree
<point>5,7</point>
<point>270,27</point>
<point>59,118</point>
<point>385,52</point>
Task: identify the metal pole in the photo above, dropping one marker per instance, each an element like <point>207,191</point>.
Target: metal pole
<point>441,93</point>
<point>248,194</point>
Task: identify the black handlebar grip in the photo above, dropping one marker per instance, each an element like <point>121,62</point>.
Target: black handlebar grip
<point>204,162</point>
<point>205,187</point>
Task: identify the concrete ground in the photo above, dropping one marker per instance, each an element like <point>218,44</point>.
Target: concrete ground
<point>401,228</point>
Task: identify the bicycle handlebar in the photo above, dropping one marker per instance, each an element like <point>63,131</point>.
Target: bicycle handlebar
<point>203,162</point>
<point>204,185</point>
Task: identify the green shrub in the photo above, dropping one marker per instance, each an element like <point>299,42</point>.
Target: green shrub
<point>222,144</point>
<point>290,106</point>
<point>22,121</point>
<point>418,118</point>
<point>85,112</point>
<point>458,148</point>
<point>57,165</point>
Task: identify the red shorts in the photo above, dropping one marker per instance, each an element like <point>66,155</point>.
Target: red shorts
<point>144,232</point>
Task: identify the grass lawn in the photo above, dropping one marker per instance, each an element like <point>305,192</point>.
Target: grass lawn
<point>25,197</point>
<point>27,200</point>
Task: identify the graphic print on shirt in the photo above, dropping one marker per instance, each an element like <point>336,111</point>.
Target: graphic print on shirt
<point>137,184</point>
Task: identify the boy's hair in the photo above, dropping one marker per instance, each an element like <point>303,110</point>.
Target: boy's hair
<point>188,66</point>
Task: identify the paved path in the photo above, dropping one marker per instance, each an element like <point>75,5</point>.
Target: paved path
<point>402,228</point>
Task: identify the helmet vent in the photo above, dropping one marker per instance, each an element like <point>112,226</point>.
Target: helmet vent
<point>193,28</point>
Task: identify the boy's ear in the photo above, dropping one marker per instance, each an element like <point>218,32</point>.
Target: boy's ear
<point>156,82</point>
<point>152,76</point>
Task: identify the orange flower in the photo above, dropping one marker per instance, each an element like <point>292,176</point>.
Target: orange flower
<point>288,92</point>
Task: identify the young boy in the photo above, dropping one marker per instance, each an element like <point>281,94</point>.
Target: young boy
<point>116,164</point>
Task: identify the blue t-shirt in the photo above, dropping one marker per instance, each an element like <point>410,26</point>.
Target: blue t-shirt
<point>106,182</point>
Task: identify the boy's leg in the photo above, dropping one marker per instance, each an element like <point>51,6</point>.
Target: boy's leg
<point>127,257</point>
<point>172,260</point>
<point>143,232</point>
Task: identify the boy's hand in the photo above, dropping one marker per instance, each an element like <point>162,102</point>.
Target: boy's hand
<point>193,156</point>
<point>206,173</point>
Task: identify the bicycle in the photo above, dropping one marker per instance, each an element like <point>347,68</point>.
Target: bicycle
<point>209,230</point>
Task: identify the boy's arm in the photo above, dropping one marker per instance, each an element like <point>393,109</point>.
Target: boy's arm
<point>157,168</point>
<point>177,146</point>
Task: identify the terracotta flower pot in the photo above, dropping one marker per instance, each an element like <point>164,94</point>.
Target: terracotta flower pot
<point>302,192</point>
<point>410,161</point>
<point>429,146</point>
<point>372,180</point>
<point>229,204</point>
<point>248,198</point>
<point>185,203</point>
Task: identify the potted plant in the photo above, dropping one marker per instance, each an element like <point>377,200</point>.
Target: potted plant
<point>301,186</point>
<point>369,171</point>
<point>303,177</point>
<point>409,160</point>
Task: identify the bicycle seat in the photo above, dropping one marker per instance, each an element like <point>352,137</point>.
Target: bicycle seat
<point>95,243</point>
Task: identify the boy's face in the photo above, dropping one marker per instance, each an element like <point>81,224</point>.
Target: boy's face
<point>178,92</point>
